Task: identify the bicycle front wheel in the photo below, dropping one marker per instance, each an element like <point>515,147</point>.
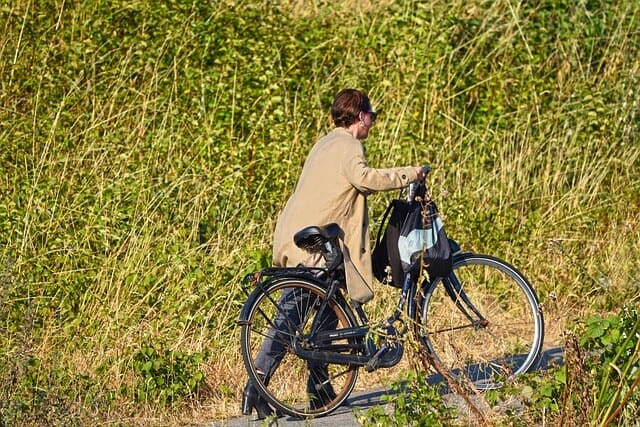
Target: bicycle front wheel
<point>483,322</point>
<point>276,315</point>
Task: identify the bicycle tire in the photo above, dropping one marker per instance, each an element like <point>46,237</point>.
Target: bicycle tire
<point>509,343</point>
<point>286,386</point>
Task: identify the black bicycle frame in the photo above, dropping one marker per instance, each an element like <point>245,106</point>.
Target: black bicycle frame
<point>333,352</point>
<point>329,353</point>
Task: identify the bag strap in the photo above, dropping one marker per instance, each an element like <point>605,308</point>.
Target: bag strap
<point>384,220</point>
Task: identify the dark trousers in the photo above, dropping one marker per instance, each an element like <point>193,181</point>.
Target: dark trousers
<point>295,307</point>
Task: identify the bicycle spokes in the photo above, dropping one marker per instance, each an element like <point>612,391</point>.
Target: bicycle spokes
<point>456,292</point>
<point>483,321</point>
<point>287,315</point>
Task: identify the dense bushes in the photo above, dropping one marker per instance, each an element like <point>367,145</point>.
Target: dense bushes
<point>147,147</point>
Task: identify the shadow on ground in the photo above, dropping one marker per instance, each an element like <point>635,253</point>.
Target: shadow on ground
<point>548,358</point>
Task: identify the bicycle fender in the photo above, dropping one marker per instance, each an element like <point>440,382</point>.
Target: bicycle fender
<point>262,285</point>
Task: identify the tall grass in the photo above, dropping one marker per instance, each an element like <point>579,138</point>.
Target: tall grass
<point>147,148</point>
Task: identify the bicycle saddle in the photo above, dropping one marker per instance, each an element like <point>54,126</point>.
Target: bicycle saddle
<point>313,238</point>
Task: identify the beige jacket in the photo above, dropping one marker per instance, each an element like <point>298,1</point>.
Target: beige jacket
<point>333,187</point>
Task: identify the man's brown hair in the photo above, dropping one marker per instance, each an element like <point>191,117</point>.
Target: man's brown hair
<point>347,105</point>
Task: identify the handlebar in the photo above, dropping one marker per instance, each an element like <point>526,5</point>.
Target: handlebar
<point>411,190</point>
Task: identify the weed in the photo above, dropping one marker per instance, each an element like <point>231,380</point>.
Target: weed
<point>414,402</point>
<point>597,385</point>
<point>167,376</point>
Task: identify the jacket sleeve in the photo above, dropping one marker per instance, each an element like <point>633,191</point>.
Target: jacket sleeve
<point>366,179</point>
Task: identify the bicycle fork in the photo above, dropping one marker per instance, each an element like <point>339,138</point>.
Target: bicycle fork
<point>453,287</point>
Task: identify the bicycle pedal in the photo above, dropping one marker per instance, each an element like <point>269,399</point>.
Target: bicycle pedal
<point>374,362</point>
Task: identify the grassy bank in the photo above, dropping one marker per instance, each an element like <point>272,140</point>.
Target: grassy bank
<point>146,148</point>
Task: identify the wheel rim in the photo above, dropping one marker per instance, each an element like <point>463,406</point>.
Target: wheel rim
<point>507,344</point>
<point>287,387</point>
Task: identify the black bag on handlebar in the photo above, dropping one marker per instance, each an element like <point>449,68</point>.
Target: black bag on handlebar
<point>408,230</point>
<point>423,236</point>
<point>385,257</point>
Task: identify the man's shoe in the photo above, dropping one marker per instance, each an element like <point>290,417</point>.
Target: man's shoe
<point>251,399</point>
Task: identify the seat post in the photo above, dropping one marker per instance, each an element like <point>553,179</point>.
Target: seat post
<point>357,307</point>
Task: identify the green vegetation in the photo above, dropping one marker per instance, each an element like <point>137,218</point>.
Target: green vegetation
<point>147,146</point>
<point>599,385</point>
<point>414,403</point>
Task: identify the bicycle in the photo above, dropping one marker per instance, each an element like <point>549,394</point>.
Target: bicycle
<point>483,323</point>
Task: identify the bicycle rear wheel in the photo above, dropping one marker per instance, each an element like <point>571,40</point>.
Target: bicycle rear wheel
<point>483,322</point>
<point>275,316</point>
